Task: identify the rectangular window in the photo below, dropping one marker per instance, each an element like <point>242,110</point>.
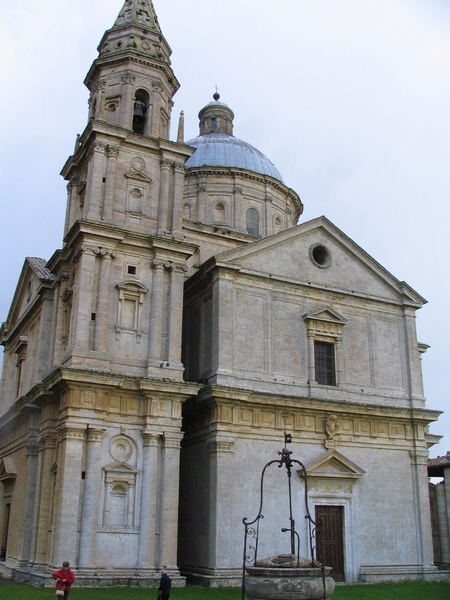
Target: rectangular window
<point>324,363</point>
<point>128,320</point>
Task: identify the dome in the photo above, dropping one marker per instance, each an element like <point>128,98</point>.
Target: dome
<point>216,145</point>
<point>224,150</point>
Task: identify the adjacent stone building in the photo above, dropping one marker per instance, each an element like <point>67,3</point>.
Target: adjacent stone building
<point>439,467</point>
<point>152,364</point>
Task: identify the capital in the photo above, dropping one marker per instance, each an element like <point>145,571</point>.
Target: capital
<point>166,164</point>
<point>112,151</point>
<point>94,434</point>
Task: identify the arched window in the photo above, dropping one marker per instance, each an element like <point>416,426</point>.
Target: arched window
<point>252,222</point>
<point>141,103</point>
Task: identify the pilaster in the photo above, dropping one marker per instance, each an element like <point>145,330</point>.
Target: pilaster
<point>154,348</point>
<point>169,488</point>
<point>163,206</point>
<point>424,541</point>
<point>67,500</point>
<point>31,497</point>
<point>112,152</point>
<point>94,183</point>
<point>73,202</point>
<point>146,549</point>
<point>311,367</point>
<point>82,310</point>
<point>177,218</point>
<point>62,311</point>
<point>155,126</point>
<point>102,310</point>
<point>126,116</point>
<point>47,445</point>
<point>90,502</point>
<point>178,274</point>
<point>237,208</point>
<point>202,202</point>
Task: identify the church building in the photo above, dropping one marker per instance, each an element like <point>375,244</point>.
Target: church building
<point>153,364</point>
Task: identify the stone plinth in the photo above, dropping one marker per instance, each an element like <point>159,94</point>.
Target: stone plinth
<point>303,583</point>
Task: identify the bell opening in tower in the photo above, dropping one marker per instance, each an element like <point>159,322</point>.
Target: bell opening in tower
<point>141,103</point>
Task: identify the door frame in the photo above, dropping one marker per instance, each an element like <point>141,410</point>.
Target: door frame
<point>339,531</point>
<point>350,542</point>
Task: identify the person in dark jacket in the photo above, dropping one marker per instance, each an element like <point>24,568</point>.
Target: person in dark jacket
<point>64,578</point>
<point>164,586</point>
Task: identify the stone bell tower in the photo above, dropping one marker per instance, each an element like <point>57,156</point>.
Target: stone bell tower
<point>124,258</point>
<point>116,386</point>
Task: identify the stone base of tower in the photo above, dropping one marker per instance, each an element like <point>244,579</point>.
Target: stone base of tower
<point>100,578</point>
<point>212,577</point>
<point>397,573</point>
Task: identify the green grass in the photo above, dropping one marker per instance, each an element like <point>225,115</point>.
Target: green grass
<point>401,591</point>
<point>394,591</point>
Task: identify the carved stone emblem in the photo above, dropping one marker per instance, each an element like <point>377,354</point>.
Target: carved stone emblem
<point>332,429</point>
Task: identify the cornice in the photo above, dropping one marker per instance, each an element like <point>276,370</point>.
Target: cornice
<point>117,137</point>
<point>251,175</point>
<point>132,56</point>
<point>67,378</point>
<point>238,396</point>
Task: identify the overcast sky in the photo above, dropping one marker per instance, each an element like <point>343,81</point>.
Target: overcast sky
<point>350,100</point>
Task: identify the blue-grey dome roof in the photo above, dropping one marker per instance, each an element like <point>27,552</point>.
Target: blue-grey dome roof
<point>217,149</point>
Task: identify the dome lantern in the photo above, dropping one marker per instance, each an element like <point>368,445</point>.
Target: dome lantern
<point>216,146</point>
<point>216,117</point>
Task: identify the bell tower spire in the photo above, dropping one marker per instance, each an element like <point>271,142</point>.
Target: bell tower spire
<point>132,82</point>
<point>141,13</point>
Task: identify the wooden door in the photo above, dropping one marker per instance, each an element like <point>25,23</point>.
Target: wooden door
<point>5,528</point>
<point>331,540</point>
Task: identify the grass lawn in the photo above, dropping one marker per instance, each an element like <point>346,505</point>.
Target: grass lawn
<point>401,591</point>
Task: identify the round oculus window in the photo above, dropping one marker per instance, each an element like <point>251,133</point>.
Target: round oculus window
<point>320,256</point>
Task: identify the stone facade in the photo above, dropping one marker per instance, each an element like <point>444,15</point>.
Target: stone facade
<point>152,364</point>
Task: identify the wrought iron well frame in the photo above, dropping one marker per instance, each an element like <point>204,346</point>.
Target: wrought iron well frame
<point>250,555</point>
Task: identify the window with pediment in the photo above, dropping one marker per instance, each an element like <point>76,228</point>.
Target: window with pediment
<point>324,331</point>
<point>129,307</point>
<point>120,496</point>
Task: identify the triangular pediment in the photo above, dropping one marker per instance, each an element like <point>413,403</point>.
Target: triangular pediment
<point>138,176</point>
<point>333,464</point>
<point>120,467</point>
<point>317,254</point>
<point>325,314</point>
<point>7,469</point>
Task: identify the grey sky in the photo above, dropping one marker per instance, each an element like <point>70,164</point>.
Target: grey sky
<point>349,99</point>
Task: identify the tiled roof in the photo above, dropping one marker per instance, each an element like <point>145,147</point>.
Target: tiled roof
<point>39,267</point>
<point>437,465</point>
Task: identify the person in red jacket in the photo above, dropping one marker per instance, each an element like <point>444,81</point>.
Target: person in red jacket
<point>64,578</point>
